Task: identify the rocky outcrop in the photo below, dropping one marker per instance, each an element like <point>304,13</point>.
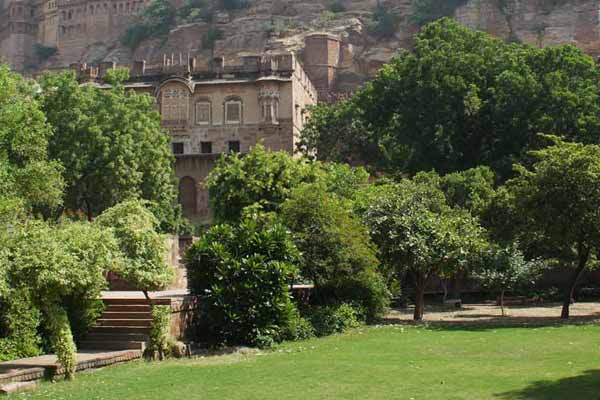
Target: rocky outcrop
<point>283,25</point>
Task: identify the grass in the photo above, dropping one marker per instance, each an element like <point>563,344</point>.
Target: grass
<point>390,362</point>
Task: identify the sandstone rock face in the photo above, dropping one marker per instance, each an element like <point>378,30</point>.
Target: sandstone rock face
<point>272,26</point>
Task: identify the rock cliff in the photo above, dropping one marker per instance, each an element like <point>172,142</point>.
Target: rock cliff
<point>277,25</point>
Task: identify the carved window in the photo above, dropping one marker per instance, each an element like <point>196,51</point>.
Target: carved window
<point>233,111</point>
<point>203,110</point>
<point>206,147</point>
<point>234,146</point>
<point>178,148</point>
<point>175,106</point>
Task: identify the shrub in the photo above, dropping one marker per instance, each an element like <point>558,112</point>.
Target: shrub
<point>425,11</point>
<point>331,319</point>
<point>336,6</point>
<point>299,328</point>
<point>211,37</point>
<point>158,346</point>
<point>45,52</point>
<point>366,291</point>
<point>22,321</point>
<point>384,23</point>
<point>135,229</point>
<point>242,274</point>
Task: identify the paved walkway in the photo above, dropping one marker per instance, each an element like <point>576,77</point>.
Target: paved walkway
<point>34,368</point>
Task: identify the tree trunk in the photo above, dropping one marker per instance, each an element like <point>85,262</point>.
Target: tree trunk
<point>420,283</point>
<point>445,289</point>
<point>502,302</point>
<point>584,255</point>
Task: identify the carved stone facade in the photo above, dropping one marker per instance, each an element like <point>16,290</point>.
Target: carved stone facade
<point>227,108</point>
<point>69,26</point>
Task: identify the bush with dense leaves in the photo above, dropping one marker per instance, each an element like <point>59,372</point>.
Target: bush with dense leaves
<point>242,276</point>
<point>331,319</point>
<point>367,292</point>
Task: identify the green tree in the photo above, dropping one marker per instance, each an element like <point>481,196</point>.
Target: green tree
<point>332,241</point>
<point>506,269</point>
<point>462,99</point>
<point>28,180</point>
<point>552,207</point>
<point>158,18</point>
<point>419,235</point>
<point>47,263</point>
<point>111,146</point>
<point>143,248</point>
<point>265,179</point>
<point>242,275</point>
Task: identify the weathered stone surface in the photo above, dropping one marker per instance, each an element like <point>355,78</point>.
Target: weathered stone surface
<point>15,387</point>
<point>91,32</point>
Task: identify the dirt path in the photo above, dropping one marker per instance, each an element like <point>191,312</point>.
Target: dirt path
<point>474,314</point>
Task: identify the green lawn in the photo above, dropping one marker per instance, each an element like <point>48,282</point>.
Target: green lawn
<point>389,362</point>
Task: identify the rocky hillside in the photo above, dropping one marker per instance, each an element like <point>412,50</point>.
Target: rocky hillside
<point>370,34</point>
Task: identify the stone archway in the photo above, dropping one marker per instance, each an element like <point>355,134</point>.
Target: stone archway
<point>188,196</point>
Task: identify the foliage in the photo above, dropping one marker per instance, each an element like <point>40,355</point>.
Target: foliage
<point>211,37</point>
<point>472,189</point>
<point>298,327</point>
<point>336,6</point>
<point>54,262</point>
<point>366,291</point>
<point>552,208</point>
<point>44,52</point>
<point>332,241</point>
<point>111,145</point>
<point>232,5</point>
<point>418,234</point>
<point>22,320</point>
<point>242,275</point>
<point>159,331</point>
<point>265,179</point>
<point>425,11</point>
<point>331,319</point>
<point>461,99</point>
<point>505,269</point>
<point>144,250</point>
<point>385,22</point>
<point>158,18</point>
<point>28,180</point>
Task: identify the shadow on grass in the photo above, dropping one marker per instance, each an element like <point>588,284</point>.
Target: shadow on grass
<point>585,387</point>
<point>497,322</point>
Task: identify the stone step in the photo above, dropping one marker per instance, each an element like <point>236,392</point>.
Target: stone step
<point>113,345</point>
<point>135,301</point>
<point>120,329</point>
<point>128,308</point>
<point>119,336</point>
<point>124,322</point>
<point>126,315</point>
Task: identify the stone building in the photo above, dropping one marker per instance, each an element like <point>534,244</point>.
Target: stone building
<point>220,108</point>
<point>68,26</point>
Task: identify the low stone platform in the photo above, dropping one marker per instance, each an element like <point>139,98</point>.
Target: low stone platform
<point>46,367</point>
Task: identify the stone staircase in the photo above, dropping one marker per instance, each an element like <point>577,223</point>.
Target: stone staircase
<point>124,325</point>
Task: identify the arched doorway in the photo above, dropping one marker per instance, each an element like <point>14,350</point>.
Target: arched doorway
<point>187,196</point>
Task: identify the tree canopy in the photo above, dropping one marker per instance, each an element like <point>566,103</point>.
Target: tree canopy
<point>461,99</point>
<point>552,207</point>
<point>110,144</point>
<point>420,235</point>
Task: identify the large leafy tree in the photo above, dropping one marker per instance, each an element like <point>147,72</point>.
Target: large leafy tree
<point>461,99</point>
<point>420,235</point>
<point>111,145</point>
<point>552,208</point>
<point>265,179</point>
<point>332,241</point>
<point>242,276</point>
<point>28,181</point>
